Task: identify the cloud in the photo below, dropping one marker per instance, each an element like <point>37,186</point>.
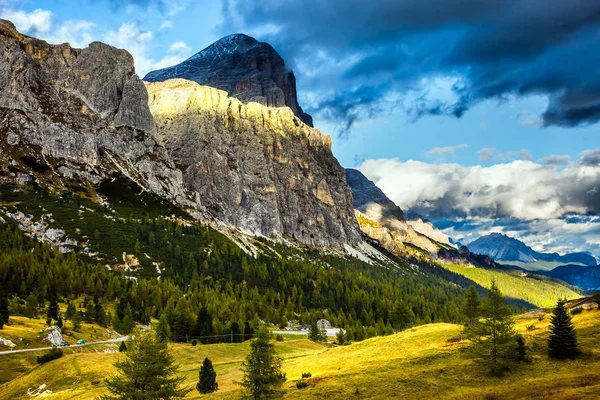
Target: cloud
<point>550,209</point>
<point>37,21</point>
<point>556,160</point>
<point>521,189</point>
<point>442,152</point>
<point>167,7</point>
<point>488,154</point>
<point>179,47</point>
<point>387,47</point>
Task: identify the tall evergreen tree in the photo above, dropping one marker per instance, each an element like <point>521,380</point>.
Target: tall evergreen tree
<point>207,380</point>
<point>162,330</point>
<point>236,333</point>
<point>401,315</point>
<point>316,335</point>
<point>147,372</point>
<point>4,312</point>
<point>471,307</point>
<point>563,339</point>
<point>493,335</point>
<point>204,326</point>
<point>262,369</point>
<point>53,309</point>
<point>248,331</point>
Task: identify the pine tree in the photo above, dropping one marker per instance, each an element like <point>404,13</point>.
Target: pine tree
<point>401,315</point>
<point>340,337</point>
<point>493,335</point>
<point>4,312</point>
<point>207,380</point>
<point>122,347</point>
<point>248,331</point>
<point>204,326</point>
<point>563,339</point>
<point>53,309</point>
<point>236,333</point>
<point>76,321</point>
<point>521,349</point>
<point>262,369</point>
<point>1,322</point>
<point>162,330</point>
<point>147,372</point>
<point>471,307</point>
<point>316,335</point>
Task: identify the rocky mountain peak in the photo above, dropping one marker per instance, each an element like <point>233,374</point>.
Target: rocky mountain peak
<point>248,70</point>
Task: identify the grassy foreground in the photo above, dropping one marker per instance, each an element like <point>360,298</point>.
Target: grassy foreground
<point>425,362</point>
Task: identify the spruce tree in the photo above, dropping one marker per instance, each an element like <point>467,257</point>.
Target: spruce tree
<point>207,380</point>
<point>471,307</point>
<point>563,339</point>
<point>162,330</point>
<point>316,335</point>
<point>204,326</point>
<point>401,315</point>
<point>147,372</point>
<point>262,369</point>
<point>53,309</point>
<point>122,347</point>
<point>236,333</point>
<point>4,312</point>
<point>76,321</point>
<point>493,334</point>
<point>248,331</point>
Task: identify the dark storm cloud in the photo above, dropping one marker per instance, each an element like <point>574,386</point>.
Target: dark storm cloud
<point>499,48</point>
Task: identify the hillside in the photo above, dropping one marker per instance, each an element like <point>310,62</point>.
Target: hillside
<point>429,361</point>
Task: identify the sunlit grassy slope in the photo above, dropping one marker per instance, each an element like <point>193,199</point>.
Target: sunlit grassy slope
<point>537,290</point>
<point>424,362</point>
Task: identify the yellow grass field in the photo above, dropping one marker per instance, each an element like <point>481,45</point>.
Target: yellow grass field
<point>426,362</point>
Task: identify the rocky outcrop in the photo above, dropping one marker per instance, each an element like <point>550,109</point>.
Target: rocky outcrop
<point>249,70</point>
<point>426,228</point>
<point>257,168</point>
<point>71,117</point>
<point>382,218</point>
<point>77,115</point>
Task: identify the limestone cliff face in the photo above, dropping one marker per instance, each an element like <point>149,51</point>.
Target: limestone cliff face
<point>82,115</point>
<point>382,219</point>
<point>245,68</point>
<point>257,168</point>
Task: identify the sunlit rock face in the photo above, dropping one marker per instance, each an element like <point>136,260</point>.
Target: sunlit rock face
<point>79,115</point>
<point>249,70</point>
<point>257,168</point>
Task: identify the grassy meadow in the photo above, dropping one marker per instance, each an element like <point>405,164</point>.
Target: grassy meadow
<point>429,361</point>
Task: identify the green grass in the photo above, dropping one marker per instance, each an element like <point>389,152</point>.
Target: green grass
<point>415,364</point>
<point>534,289</point>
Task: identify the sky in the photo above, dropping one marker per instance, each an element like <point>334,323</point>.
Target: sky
<point>480,116</point>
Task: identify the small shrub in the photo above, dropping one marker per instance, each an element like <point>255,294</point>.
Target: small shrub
<point>53,354</point>
<point>357,392</point>
<point>194,342</point>
<point>301,384</point>
<point>455,339</point>
<point>306,375</point>
<point>279,338</point>
<point>576,311</point>
<point>531,327</point>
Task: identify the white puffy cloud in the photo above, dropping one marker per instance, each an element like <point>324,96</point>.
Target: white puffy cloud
<point>37,21</point>
<point>552,208</point>
<point>489,153</point>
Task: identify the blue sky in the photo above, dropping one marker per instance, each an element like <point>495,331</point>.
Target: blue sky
<point>452,93</point>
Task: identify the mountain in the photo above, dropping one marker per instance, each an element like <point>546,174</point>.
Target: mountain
<point>71,119</point>
<point>584,277</point>
<point>509,250</point>
<point>256,168</point>
<point>249,70</point>
<point>381,219</point>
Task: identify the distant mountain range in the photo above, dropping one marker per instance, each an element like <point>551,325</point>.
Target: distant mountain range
<point>587,278</point>
<point>508,250</point>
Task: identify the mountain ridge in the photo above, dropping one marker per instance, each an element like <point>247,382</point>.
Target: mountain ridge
<point>245,68</point>
<point>505,249</point>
